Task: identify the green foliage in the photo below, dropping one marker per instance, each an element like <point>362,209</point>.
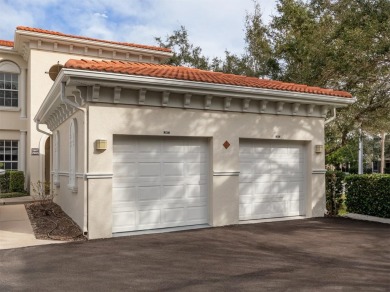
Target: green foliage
<point>334,191</point>
<point>16,181</point>
<point>184,52</point>
<point>339,44</point>
<point>4,182</point>
<point>12,181</point>
<point>368,195</point>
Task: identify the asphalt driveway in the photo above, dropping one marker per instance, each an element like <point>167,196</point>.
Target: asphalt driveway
<point>302,255</point>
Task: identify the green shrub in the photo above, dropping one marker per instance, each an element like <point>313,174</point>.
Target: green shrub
<point>368,194</point>
<point>12,181</point>
<point>334,191</point>
<point>16,181</point>
<point>4,182</point>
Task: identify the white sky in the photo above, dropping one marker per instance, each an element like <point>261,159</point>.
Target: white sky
<point>214,25</point>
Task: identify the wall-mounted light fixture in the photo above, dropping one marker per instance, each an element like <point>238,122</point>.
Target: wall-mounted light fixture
<point>101,144</point>
<point>319,148</point>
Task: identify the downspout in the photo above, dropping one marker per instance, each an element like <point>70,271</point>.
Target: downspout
<point>41,163</point>
<point>331,118</point>
<point>86,151</point>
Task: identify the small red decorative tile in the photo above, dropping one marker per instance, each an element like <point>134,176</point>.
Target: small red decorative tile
<point>226,144</point>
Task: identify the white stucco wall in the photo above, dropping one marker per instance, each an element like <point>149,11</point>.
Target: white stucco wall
<point>107,120</point>
<point>73,203</point>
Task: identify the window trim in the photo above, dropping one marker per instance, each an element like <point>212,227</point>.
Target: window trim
<point>10,67</point>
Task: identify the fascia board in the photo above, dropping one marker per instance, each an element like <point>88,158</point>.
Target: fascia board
<point>50,99</point>
<point>207,88</point>
<point>97,44</point>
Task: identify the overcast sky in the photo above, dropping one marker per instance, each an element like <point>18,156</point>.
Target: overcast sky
<point>214,25</point>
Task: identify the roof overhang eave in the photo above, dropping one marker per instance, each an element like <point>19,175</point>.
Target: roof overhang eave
<point>79,77</point>
<point>205,88</point>
<point>95,43</point>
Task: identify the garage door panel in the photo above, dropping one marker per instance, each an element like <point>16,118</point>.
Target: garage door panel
<point>148,169</point>
<point>173,192</point>
<point>245,210</point>
<point>197,190</point>
<point>174,215</point>
<point>164,185</point>
<point>173,169</point>
<point>126,219</point>
<point>149,193</point>
<point>147,217</point>
<point>271,179</point>
<point>124,194</point>
<point>197,213</point>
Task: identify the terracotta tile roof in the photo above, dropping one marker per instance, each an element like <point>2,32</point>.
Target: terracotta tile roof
<point>92,39</point>
<point>6,43</point>
<point>190,74</point>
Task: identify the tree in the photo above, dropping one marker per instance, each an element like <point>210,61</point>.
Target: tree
<point>340,44</point>
<point>184,52</point>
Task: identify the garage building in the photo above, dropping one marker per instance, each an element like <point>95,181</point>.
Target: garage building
<point>139,147</point>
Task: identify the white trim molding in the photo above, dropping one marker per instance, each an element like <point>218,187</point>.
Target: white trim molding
<point>97,175</point>
<point>226,173</point>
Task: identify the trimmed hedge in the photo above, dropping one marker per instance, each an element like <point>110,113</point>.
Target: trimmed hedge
<point>368,194</point>
<point>334,191</point>
<point>12,181</point>
<point>4,182</point>
<point>16,181</point>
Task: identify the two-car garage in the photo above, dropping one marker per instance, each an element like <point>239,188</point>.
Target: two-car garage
<point>162,182</point>
<point>150,146</point>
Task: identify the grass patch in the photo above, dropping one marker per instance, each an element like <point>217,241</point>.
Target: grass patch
<point>12,195</point>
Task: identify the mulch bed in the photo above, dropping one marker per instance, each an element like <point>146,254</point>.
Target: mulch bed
<point>50,222</point>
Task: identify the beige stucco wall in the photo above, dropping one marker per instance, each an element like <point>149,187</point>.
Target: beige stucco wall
<point>73,203</point>
<point>13,120</point>
<point>219,126</point>
<point>40,83</point>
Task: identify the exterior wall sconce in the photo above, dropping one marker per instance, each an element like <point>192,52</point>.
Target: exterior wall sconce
<point>101,144</point>
<point>319,148</point>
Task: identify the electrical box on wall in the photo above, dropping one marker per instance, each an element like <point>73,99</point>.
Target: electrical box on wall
<point>101,144</point>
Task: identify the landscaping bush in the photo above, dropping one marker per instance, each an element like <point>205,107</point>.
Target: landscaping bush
<point>368,194</point>
<point>16,181</point>
<point>4,182</point>
<point>334,191</point>
<point>12,181</point>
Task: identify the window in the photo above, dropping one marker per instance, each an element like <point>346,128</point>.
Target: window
<point>9,154</point>
<point>8,89</point>
<point>73,155</point>
<point>9,84</point>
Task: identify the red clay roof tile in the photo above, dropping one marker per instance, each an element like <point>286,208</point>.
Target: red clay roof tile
<point>154,48</point>
<point>6,43</point>
<point>191,74</point>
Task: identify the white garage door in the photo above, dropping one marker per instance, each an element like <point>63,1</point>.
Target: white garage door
<point>159,182</point>
<point>271,179</point>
